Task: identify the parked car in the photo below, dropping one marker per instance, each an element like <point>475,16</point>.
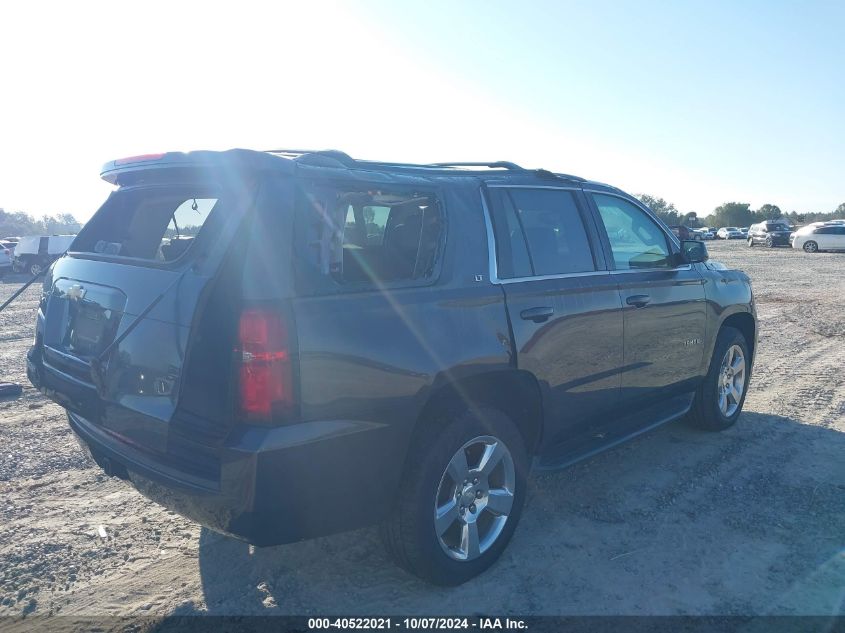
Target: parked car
<point>33,253</point>
<point>769,234</point>
<point>829,236</point>
<point>6,256</point>
<point>407,375</point>
<point>706,234</point>
<point>729,233</point>
<point>682,232</point>
<point>744,231</point>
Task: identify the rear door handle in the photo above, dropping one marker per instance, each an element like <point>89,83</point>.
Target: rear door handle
<point>638,300</point>
<point>538,314</point>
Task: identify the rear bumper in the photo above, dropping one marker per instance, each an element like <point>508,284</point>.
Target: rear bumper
<point>276,485</point>
<point>268,486</point>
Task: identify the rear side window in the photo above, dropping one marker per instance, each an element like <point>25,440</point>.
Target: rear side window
<point>366,238</point>
<point>636,240</point>
<point>539,232</point>
<point>152,223</point>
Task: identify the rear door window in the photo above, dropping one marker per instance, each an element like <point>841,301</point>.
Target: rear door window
<point>539,232</point>
<point>152,223</point>
<point>347,238</point>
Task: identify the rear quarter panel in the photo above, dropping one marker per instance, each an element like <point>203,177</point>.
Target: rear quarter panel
<point>372,358</point>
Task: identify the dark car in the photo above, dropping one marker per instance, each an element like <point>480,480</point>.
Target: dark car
<point>769,234</point>
<point>684,233</point>
<point>284,345</point>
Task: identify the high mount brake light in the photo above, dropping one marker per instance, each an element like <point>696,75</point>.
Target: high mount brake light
<point>265,383</point>
<point>141,158</point>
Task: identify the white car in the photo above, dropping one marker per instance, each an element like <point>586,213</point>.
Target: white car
<point>729,233</point>
<point>33,253</point>
<point>6,255</point>
<point>829,236</point>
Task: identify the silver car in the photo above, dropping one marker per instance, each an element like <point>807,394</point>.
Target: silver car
<point>729,233</point>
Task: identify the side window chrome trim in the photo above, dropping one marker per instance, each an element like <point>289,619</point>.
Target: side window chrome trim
<point>491,240</point>
<point>553,187</point>
<point>594,273</point>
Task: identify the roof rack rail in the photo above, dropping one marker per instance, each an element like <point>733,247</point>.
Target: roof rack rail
<point>291,151</point>
<point>499,164</point>
<point>545,173</point>
<point>317,156</point>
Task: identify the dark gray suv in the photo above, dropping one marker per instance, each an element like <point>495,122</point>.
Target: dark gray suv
<point>281,345</point>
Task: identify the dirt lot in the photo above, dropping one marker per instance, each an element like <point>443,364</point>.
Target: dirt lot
<point>750,521</point>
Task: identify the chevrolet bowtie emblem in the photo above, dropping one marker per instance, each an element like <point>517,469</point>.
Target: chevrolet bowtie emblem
<point>76,292</point>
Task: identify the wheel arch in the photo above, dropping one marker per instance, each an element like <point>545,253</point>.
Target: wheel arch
<point>514,392</point>
<point>747,325</point>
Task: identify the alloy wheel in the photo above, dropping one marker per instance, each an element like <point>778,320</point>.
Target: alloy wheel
<point>731,382</point>
<point>474,498</point>
<point>811,247</point>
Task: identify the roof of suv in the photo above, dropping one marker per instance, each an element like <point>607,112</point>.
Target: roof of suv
<point>290,159</point>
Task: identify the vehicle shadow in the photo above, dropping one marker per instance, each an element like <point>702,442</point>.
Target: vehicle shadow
<point>748,521</point>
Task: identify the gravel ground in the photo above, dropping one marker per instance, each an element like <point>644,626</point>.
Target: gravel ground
<point>749,521</point>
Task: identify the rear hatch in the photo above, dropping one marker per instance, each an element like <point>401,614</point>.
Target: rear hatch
<point>120,309</point>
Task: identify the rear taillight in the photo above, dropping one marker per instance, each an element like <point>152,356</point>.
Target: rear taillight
<point>265,377</point>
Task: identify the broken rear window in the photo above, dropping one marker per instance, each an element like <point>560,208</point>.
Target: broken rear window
<point>349,237</point>
<point>153,223</point>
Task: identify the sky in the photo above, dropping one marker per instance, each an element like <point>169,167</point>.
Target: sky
<point>699,103</point>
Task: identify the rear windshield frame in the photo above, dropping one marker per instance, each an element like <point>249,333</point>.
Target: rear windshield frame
<point>202,187</point>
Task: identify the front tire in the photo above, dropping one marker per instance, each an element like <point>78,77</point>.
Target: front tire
<point>811,247</point>
<point>750,243</point>
<point>721,395</point>
<point>461,497</point>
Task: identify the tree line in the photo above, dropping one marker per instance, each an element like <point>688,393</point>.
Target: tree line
<point>734,214</point>
<point>19,223</point>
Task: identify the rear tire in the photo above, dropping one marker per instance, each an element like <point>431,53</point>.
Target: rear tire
<point>811,247</point>
<point>477,520</point>
<point>719,398</point>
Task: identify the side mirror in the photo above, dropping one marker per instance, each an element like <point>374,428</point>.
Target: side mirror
<point>694,251</point>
